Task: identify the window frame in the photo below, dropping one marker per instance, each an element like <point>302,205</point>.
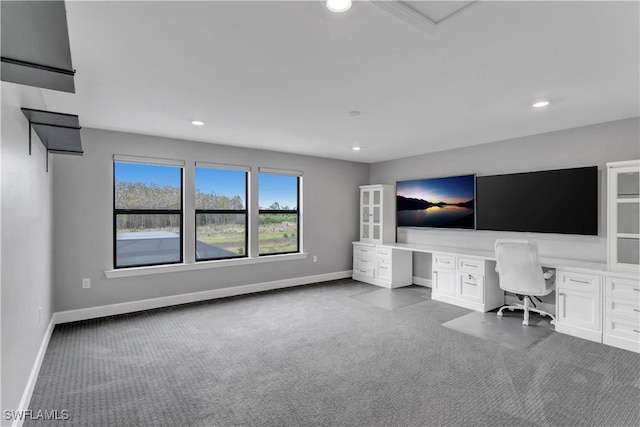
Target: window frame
<point>223,211</point>
<point>116,211</point>
<point>297,211</point>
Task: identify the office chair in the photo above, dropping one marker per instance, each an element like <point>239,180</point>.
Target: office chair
<point>520,272</point>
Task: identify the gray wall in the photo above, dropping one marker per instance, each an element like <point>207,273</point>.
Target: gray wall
<point>83,216</point>
<point>26,271</point>
<point>584,146</point>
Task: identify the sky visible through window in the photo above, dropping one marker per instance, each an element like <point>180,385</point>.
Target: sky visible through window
<point>278,188</point>
<point>272,187</point>
<point>226,182</point>
<point>147,174</point>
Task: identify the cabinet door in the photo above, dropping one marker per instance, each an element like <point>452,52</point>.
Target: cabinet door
<point>579,309</point>
<point>624,217</point>
<point>444,282</point>
<point>366,215</point>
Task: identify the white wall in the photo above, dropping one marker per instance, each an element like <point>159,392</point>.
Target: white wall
<point>584,146</point>
<point>26,272</point>
<point>83,218</point>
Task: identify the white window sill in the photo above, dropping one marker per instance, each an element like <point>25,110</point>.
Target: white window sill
<point>203,265</point>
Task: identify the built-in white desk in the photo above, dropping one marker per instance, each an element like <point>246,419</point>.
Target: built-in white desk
<point>491,256</point>
<point>592,302</point>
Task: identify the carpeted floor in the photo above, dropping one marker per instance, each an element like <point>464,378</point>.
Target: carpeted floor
<point>313,356</point>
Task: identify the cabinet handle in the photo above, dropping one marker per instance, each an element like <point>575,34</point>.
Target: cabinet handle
<point>435,279</point>
<point>362,271</point>
<point>382,268</point>
<point>636,310</point>
<point>637,290</point>
<point>585,282</point>
<point>470,265</point>
<point>635,330</point>
<point>445,262</point>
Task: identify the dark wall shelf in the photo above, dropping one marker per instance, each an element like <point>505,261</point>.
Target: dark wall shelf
<point>58,132</point>
<point>35,45</point>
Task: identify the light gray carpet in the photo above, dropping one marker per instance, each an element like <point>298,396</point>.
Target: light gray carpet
<point>390,299</point>
<point>313,356</point>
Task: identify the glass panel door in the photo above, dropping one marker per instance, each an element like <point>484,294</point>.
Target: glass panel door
<point>376,232</point>
<point>366,196</point>
<point>627,218</point>
<point>365,214</point>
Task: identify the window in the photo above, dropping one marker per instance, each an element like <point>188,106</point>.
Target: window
<point>221,212</point>
<point>147,212</point>
<point>278,200</point>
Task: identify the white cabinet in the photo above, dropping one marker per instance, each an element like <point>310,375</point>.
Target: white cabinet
<point>377,214</point>
<point>382,266</point>
<point>466,282</point>
<point>623,215</point>
<point>578,304</point>
<point>622,311</point>
<point>443,278</point>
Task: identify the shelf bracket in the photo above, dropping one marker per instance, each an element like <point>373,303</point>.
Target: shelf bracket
<point>58,132</point>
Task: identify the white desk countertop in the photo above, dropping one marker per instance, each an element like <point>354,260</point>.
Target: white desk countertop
<point>490,255</point>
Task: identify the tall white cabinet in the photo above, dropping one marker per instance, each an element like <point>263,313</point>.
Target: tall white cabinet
<point>372,262</point>
<point>623,215</point>
<point>377,214</point>
<point>622,280</point>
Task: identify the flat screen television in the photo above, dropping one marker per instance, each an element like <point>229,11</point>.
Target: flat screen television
<point>563,201</point>
<point>447,202</point>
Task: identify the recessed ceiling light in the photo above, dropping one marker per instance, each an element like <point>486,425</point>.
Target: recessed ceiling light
<point>338,5</point>
<point>356,148</point>
<point>540,104</point>
<point>353,113</point>
<point>197,122</point>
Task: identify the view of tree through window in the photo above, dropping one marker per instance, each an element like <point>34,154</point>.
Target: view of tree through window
<point>278,214</point>
<point>221,213</point>
<point>147,214</point>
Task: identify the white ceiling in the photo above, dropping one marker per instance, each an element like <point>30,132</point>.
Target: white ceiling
<point>284,75</point>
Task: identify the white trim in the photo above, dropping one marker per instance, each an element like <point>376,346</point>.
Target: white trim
<point>223,166</point>
<point>33,377</point>
<point>408,15</point>
<point>421,281</point>
<point>147,160</point>
<point>280,171</point>
<point>148,304</point>
<point>201,265</point>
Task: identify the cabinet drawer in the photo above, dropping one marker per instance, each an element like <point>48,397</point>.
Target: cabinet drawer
<point>622,307</point>
<point>384,271</point>
<point>579,281</point>
<point>470,287</point>
<point>363,251</point>
<point>622,287</point>
<point>364,271</point>
<point>384,253</point>
<point>471,265</point>
<point>622,328</point>
<point>442,261</point>
<point>364,262</point>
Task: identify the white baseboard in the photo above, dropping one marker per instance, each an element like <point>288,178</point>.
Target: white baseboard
<point>33,377</point>
<point>421,281</point>
<point>148,304</point>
